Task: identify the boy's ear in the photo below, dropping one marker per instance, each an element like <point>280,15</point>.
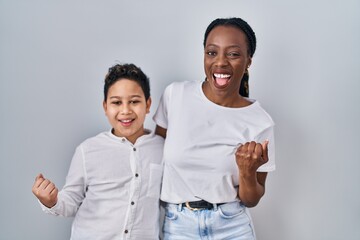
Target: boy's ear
<point>104,106</point>
<point>148,105</point>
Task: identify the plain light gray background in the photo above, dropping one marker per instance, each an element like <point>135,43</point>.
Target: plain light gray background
<point>54,56</point>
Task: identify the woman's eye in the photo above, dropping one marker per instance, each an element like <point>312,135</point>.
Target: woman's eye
<point>211,53</point>
<point>233,54</point>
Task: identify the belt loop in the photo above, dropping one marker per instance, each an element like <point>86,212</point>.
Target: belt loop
<point>179,207</point>
<point>215,207</point>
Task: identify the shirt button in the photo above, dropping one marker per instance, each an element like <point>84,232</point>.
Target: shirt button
<point>136,175</point>
<point>132,203</point>
<point>123,140</point>
<point>134,149</point>
<point>126,231</point>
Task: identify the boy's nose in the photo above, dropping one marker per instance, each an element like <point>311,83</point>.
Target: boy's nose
<point>125,110</point>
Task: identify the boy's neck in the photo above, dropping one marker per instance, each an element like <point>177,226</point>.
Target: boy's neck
<point>133,138</point>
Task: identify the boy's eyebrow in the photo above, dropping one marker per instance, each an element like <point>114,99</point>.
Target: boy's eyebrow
<point>131,96</point>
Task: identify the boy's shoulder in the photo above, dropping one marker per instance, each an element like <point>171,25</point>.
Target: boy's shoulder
<point>153,139</point>
<point>97,139</point>
<point>107,139</point>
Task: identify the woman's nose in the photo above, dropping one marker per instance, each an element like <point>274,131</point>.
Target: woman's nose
<point>221,60</point>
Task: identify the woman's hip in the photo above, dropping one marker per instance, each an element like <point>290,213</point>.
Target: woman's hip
<point>213,221</point>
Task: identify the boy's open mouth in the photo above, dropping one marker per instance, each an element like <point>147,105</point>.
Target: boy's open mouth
<point>126,122</point>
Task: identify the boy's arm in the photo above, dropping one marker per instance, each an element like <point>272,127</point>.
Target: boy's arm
<point>45,191</point>
<point>73,193</point>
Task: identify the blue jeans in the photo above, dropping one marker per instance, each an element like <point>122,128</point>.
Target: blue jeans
<point>223,222</point>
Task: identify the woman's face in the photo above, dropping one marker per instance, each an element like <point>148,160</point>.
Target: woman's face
<point>226,59</point>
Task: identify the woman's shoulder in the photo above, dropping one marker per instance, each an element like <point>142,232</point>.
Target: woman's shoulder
<point>181,87</point>
<point>183,84</point>
<point>261,114</point>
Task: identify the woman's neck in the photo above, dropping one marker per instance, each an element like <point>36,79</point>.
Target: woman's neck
<point>225,99</point>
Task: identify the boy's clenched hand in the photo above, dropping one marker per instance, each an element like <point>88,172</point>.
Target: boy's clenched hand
<point>45,191</point>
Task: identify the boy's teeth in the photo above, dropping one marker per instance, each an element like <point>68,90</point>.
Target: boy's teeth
<point>125,121</point>
<point>219,75</point>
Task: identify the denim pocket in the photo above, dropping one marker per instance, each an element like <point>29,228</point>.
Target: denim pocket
<point>231,210</point>
<point>170,213</point>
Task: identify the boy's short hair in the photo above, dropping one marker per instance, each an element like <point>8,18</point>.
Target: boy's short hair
<point>126,71</point>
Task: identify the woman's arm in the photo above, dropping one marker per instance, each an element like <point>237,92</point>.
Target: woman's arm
<point>249,157</point>
<point>160,131</point>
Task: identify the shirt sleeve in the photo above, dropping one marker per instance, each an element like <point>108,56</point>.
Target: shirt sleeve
<point>268,134</point>
<point>73,192</point>
<point>161,115</point>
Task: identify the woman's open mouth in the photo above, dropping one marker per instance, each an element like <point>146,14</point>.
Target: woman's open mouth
<point>221,80</point>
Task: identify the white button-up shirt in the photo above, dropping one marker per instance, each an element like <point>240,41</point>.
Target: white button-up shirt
<point>113,188</point>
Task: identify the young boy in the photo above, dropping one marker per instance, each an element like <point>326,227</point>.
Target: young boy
<point>113,184</point>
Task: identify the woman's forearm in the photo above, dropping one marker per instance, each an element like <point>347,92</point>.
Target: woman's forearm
<point>251,188</point>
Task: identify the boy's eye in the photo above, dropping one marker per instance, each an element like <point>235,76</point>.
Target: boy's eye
<point>116,102</point>
<point>134,101</point>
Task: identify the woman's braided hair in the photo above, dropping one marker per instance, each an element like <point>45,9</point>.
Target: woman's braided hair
<point>251,41</point>
<point>126,71</point>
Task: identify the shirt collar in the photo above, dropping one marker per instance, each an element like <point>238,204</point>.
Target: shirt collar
<point>148,134</point>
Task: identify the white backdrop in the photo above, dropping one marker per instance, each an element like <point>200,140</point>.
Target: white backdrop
<point>54,56</point>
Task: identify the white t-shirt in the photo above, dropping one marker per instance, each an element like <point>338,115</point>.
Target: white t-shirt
<point>113,188</point>
<point>201,141</point>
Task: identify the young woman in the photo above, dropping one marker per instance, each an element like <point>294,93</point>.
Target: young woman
<point>219,143</point>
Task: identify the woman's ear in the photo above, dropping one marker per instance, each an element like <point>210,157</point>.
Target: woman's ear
<point>249,63</point>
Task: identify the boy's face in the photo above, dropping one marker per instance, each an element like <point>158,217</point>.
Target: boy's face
<point>126,108</point>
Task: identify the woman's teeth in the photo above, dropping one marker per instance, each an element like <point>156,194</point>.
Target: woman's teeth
<point>219,75</point>
<point>221,79</point>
